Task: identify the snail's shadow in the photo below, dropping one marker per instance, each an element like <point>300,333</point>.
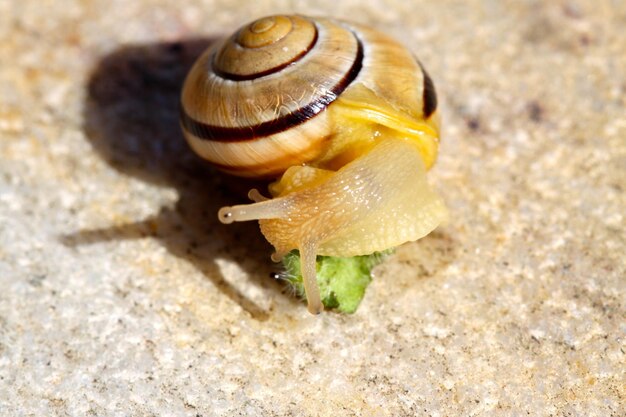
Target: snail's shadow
<point>131,119</point>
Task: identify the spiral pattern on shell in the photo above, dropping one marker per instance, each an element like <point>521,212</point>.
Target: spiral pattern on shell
<point>254,104</point>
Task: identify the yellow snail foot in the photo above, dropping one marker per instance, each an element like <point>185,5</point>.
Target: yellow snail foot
<point>374,203</point>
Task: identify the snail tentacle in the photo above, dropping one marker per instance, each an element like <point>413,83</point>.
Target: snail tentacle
<point>308,257</point>
<point>256,196</point>
<point>268,209</point>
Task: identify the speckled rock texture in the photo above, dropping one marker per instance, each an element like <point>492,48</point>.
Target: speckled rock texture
<point>122,295</point>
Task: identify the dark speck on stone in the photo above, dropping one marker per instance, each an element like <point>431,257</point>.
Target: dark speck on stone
<point>536,111</point>
<point>473,123</point>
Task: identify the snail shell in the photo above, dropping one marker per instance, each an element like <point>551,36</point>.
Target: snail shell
<point>346,119</point>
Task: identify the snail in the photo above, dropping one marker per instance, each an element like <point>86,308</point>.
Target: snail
<point>342,117</point>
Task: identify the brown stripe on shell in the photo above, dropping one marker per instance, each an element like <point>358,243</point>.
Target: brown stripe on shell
<point>236,77</point>
<point>429,95</point>
<point>237,134</point>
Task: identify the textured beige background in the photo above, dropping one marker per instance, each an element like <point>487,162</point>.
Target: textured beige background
<point>122,295</point>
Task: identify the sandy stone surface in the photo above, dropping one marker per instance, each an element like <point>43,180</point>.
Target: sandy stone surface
<point>122,295</point>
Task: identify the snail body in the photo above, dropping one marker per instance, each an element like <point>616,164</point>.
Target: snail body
<point>344,117</point>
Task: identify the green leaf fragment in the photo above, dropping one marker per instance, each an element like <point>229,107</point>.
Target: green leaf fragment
<point>342,281</point>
